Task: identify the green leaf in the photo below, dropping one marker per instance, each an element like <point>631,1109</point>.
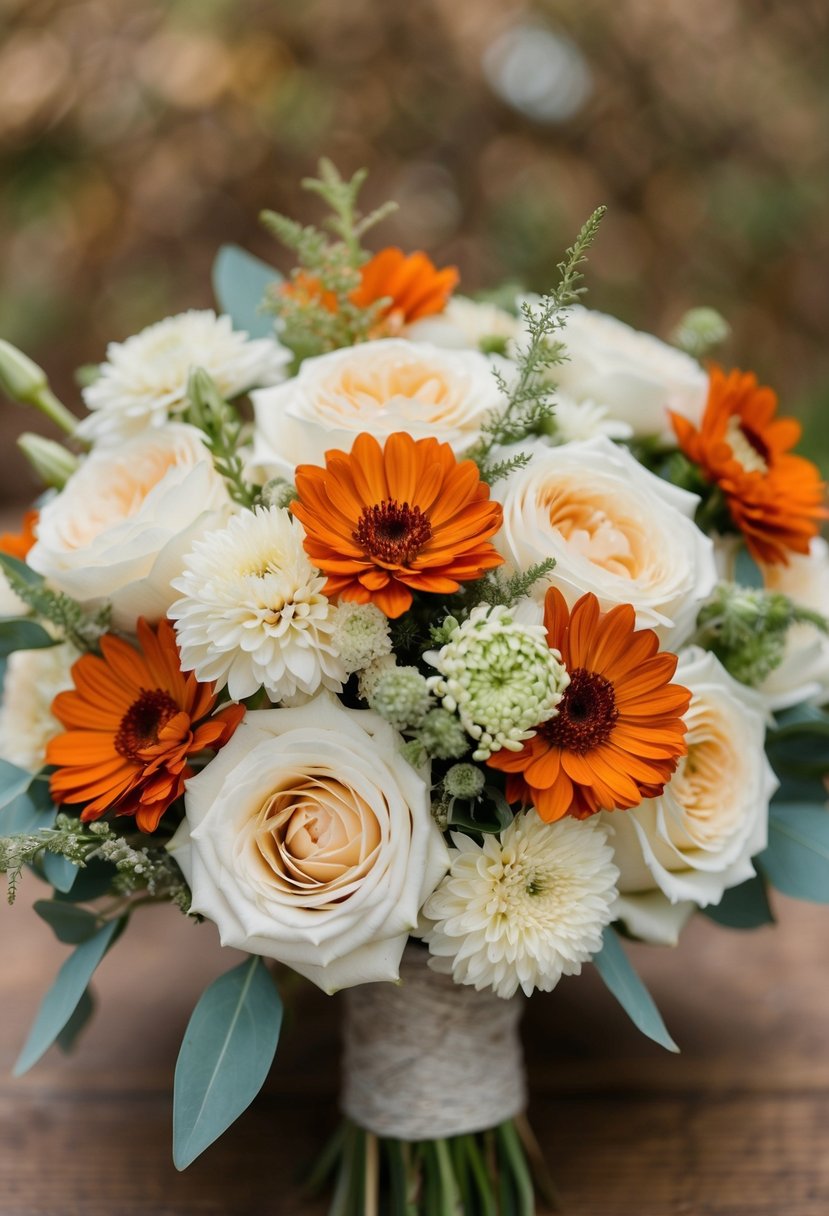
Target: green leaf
<point>227,1051</point>
<point>94,880</point>
<point>14,781</point>
<point>64,996</point>
<point>797,858</point>
<point>83,1012</point>
<point>69,924</point>
<point>59,871</point>
<point>14,567</point>
<point>30,811</point>
<point>746,571</point>
<point>615,969</point>
<point>743,907</point>
<point>20,633</point>
<point>240,282</point>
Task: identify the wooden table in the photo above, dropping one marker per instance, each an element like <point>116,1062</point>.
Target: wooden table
<point>737,1125</point>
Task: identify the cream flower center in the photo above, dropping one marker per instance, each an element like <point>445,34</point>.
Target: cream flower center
<point>618,544</point>
<point>316,834</point>
<point>703,786</point>
<point>118,497</point>
<point>742,449</point>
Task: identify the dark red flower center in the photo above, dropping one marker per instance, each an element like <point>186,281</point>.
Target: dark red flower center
<point>392,532</point>
<point>586,715</point>
<point>143,720</point>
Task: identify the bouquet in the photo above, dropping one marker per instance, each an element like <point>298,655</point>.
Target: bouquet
<point>426,646</point>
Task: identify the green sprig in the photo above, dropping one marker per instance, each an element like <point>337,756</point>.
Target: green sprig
<point>221,427</point>
<point>70,620</point>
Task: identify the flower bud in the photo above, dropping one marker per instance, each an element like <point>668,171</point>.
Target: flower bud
<point>52,462</point>
<point>700,330</point>
<point>20,377</point>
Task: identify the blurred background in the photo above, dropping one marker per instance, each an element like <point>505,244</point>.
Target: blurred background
<point>138,135</point>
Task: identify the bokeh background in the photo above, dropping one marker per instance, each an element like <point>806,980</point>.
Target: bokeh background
<point>138,135</point>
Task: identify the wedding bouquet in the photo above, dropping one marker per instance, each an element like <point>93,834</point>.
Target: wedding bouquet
<point>427,646</point>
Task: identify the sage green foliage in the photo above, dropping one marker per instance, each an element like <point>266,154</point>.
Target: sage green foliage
<point>743,907</point>
<point>62,999</point>
<point>615,969</point>
<point>329,260</point>
<point>497,588</point>
<point>796,860</point>
<point>240,284</point>
<point>498,1172</point>
<point>71,621</point>
<point>225,1057</point>
<point>530,407</point>
<point>221,427</point>
<point>746,629</point>
<point>138,867</point>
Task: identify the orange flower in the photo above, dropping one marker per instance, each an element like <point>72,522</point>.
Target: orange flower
<point>776,499</point>
<point>383,522</point>
<point>414,285</point>
<point>619,732</point>
<point>18,544</point>
<point>132,721</point>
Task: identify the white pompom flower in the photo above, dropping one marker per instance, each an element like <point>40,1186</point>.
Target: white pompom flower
<point>144,379</point>
<point>522,909</point>
<point>252,613</point>
<point>500,676</point>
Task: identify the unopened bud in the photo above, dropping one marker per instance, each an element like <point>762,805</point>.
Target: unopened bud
<point>23,381</point>
<point>700,330</point>
<point>52,462</point>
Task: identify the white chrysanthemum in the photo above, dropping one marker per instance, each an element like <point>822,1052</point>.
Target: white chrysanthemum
<point>33,680</point>
<point>523,908</point>
<point>253,614</point>
<point>578,420</point>
<point>144,380</point>
<point>501,677</point>
<point>361,634</point>
<point>466,323</point>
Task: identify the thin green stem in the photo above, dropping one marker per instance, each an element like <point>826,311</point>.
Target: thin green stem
<point>48,404</point>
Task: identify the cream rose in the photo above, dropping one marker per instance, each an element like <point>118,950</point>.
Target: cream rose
<point>803,674</point>
<point>33,680</point>
<point>613,528</point>
<point>686,848</point>
<point>309,839</point>
<point>634,375</point>
<point>381,387</point>
<point>121,526</point>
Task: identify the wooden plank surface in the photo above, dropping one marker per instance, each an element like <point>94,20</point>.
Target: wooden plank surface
<point>737,1124</point>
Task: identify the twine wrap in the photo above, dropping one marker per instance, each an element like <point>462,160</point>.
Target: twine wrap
<point>429,1058</point>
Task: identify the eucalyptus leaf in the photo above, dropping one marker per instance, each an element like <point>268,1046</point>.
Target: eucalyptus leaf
<point>64,996</point>
<point>94,880</point>
<point>618,974</point>
<point>240,282</point>
<point>59,871</point>
<point>70,924</point>
<point>797,858</point>
<point>83,1012</point>
<point>743,907</point>
<point>29,812</point>
<point>746,571</point>
<point>14,781</point>
<point>20,633</point>
<point>225,1057</point>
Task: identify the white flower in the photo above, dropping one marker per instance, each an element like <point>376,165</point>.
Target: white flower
<point>309,839</point>
<point>522,909</point>
<point>687,847</point>
<point>634,375</point>
<point>500,676</point>
<point>467,324</point>
<point>361,634</point>
<point>33,680</point>
<point>577,420</point>
<point>120,527</point>
<point>144,380</point>
<point>613,528</point>
<point>803,675</point>
<point>380,387</point>
<point>252,613</point>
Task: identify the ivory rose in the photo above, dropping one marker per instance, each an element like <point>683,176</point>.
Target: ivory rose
<point>634,375</point>
<point>380,387</point>
<point>613,528</point>
<point>310,839</point>
<point>803,674</point>
<point>122,524</point>
<point>687,847</point>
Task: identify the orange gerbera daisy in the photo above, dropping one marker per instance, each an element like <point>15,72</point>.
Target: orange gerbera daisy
<point>132,721</point>
<point>775,498</point>
<point>412,283</point>
<point>618,734</point>
<point>18,544</point>
<point>383,522</point>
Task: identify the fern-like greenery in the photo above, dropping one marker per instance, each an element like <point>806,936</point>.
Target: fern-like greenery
<point>316,309</point>
<point>221,427</point>
<point>70,621</point>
